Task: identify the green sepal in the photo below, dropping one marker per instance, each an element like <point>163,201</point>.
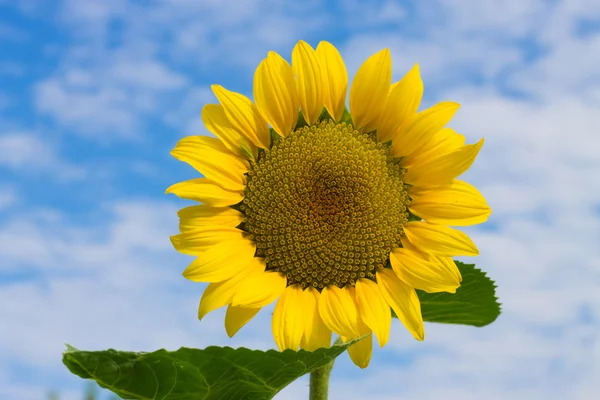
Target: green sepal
<point>301,121</point>
<point>324,116</point>
<point>412,217</point>
<point>246,149</point>
<point>347,118</point>
<point>275,138</point>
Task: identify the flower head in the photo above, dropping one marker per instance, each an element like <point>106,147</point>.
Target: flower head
<point>338,216</point>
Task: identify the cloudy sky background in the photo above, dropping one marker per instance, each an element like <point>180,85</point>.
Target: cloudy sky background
<point>93,95</point>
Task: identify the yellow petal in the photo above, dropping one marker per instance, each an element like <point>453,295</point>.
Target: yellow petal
<point>421,128</point>
<point>289,319</point>
<point>202,238</point>
<point>214,296</point>
<point>402,103</point>
<point>215,120</point>
<point>444,168</point>
<point>309,81</point>
<point>442,143</point>
<point>193,217</point>
<point>370,88</point>
<point>205,191</point>
<point>404,301</point>
<point>221,261</point>
<point>360,352</point>
<point>422,272</point>
<point>275,93</point>
<point>217,295</point>
<point>439,240</point>
<point>373,309</point>
<point>260,290</point>
<point>449,264</point>
<point>338,311</point>
<point>244,116</point>
<point>237,317</point>
<point>210,157</point>
<point>456,203</point>
<point>407,244</point>
<point>316,334</point>
<point>335,77</point>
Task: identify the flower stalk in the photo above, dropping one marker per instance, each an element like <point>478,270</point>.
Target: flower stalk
<point>319,382</point>
<point>319,379</point>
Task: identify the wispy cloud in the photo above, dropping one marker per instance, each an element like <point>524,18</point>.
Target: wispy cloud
<point>8,196</point>
<point>28,154</point>
<point>113,81</point>
<point>109,99</point>
<point>12,33</point>
<point>8,68</point>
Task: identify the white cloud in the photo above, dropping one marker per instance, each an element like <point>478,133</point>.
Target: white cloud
<point>8,196</point>
<point>118,271</point>
<point>105,91</point>
<point>241,35</point>
<point>28,7</point>
<point>378,13</point>
<point>150,75</point>
<point>100,111</point>
<point>443,61</point>
<point>110,99</point>
<point>11,69</point>
<point>517,17</point>
<point>456,362</point>
<point>142,227</point>
<point>12,33</point>
<point>27,153</point>
<point>90,12</point>
<point>187,118</point>
<point>92,263</point>
<point>22,148</point>
<point>5,100</point>
<point>462,40</point>
<point>552,76</point>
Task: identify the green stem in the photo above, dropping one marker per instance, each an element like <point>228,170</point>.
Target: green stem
<point>319,382</point>
<point>319,379</point>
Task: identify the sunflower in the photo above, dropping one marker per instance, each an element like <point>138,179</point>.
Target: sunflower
<point>338,216</point>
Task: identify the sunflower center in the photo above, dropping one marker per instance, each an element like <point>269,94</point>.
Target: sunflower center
<point>325,205</point>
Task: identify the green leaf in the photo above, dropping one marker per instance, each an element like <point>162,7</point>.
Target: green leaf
<point>474,303</point>
<point>189,374</point>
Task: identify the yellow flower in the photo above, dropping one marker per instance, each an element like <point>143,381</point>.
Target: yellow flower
<point>337,217</point>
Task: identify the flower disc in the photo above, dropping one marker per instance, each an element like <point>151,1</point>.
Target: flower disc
<point>325,205</point>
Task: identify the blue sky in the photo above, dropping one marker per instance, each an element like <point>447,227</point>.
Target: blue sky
<point>93,96</point>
